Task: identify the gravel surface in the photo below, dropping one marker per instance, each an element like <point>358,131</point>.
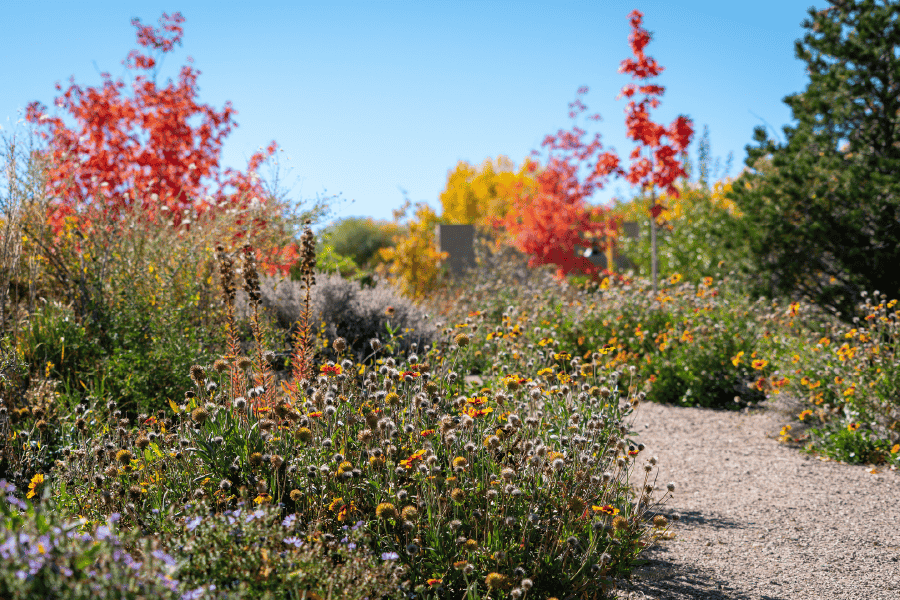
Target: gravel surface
<point>760,520</point>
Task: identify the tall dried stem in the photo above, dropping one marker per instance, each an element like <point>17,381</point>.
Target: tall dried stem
<point>301,357</point>
<point>229,292</point>
<point>264,377</point>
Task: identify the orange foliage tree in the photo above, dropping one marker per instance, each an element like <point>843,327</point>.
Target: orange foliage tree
<point>152,156</point>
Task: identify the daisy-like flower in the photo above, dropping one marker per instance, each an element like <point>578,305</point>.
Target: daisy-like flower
<point>759,364</point>
<point>36,482</point>
<point>331,370</point>
<point>606,509</point>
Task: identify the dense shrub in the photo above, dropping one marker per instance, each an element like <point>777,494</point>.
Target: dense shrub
<point>692,238</point>
<point>347,309</point>
<point>359,238</point>
<point>847,377</point>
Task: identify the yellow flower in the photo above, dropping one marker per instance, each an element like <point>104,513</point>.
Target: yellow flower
<point>896,447</point>
<point>675,278</point>
<point>736,359</point>
<point>759,364</point>
<point>36,481</point>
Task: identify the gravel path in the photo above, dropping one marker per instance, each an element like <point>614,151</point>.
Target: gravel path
<point>761,521</point>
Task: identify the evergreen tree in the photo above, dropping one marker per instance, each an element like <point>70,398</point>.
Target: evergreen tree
<point>822,209</point>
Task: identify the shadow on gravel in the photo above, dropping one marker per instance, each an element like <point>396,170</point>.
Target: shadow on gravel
<point>662,579</point>
<point>693,517</point>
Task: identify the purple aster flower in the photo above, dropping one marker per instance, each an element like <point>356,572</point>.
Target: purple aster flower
<point>293,541</point>
<point>389,556</point>
<point>165,558</point>
<point>192,525</point>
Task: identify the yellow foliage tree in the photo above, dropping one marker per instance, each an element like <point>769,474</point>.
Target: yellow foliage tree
<point>473,196</point>
<point>480,196</point>
<point>414,262</point>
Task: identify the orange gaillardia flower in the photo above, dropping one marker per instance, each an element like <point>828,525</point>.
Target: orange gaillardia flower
<point>607,509</point>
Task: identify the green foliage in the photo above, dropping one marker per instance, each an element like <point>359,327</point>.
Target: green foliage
<point>140,355</point>
<point>822,209</point>
<point>848,445</point>
<point>690,238</point>
<point>359,239</point>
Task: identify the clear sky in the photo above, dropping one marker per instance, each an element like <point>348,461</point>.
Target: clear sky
<point>369,98</point>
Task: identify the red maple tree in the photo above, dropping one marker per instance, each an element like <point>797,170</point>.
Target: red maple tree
<point>661,168</point>
<point>554,222</point>
<point>152,155</point>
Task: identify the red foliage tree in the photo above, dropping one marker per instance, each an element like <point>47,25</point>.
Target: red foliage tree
<point>153,155</point>
<point>661,168</point>
<point>554,221</point>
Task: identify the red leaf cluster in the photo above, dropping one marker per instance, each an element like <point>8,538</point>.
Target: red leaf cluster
<point>662,168</point>
<point>153,153</point>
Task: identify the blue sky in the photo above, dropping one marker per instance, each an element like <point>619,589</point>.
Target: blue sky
<point>368,98</point>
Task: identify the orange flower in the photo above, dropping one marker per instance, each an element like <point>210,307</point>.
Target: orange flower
<point>477,412</point>
<point>852,426</point>
<point>759,364</point>
<point>327,370</point>
<point>417,455</point>
<point>434,582</point>
<point>606,509</point>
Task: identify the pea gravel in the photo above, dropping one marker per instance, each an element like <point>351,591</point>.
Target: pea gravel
<point>761,520</point>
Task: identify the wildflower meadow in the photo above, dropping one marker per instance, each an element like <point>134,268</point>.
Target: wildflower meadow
<point>202,397</point>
